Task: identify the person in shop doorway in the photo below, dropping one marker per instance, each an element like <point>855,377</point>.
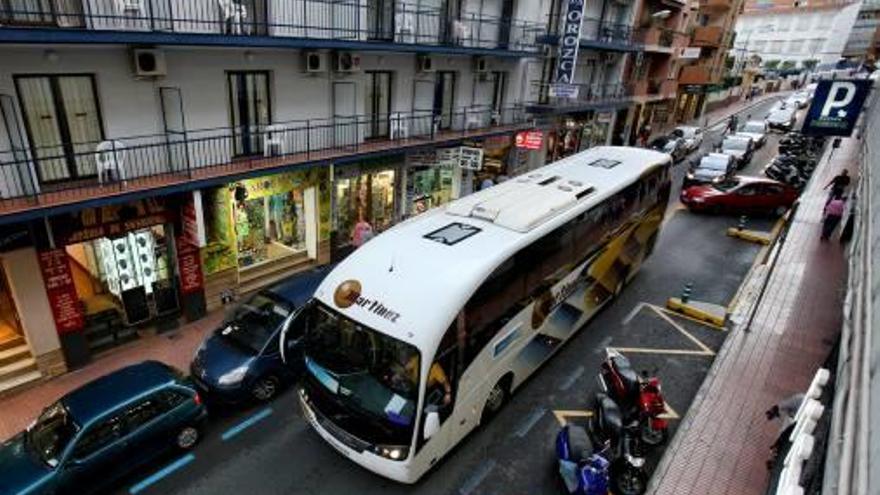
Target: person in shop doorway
<point>833,213</point>
<point>362,231</point>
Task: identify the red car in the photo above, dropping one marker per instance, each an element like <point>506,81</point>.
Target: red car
<point>741,194</point>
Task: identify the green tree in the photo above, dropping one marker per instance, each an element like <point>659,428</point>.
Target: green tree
<point>728,63</point>
<point>788,65</point>
<point>771,64</point>
<point>810,63</point>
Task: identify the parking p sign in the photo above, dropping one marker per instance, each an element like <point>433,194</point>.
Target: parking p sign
<point>836,107</point>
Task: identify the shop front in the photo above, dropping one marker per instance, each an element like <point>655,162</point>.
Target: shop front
<point>430,182</point>
<point>259,230</point>
<point>577,132</point>
<point>365,198</point>
<point>111,272</point>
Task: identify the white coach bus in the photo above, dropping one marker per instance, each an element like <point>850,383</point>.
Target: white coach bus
<point>424,332</point>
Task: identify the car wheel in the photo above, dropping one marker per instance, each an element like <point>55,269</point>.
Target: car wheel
<point>266,388</point>
<point>187,437</point>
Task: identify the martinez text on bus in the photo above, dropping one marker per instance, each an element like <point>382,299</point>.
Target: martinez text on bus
<point>421,334</point>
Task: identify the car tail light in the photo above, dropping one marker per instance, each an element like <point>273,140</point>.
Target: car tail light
<point>197,399</point>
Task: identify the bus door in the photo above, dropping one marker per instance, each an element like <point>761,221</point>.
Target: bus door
<point>440,398</point>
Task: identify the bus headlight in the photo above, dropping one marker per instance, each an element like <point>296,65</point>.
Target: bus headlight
<point>393,452</point>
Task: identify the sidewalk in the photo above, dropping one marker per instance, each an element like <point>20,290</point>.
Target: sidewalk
<point>724,440</point>
<point>175,348</point>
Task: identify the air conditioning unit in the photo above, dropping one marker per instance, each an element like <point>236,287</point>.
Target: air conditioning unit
<point>426,63</point>
<point>149,62</point>
<point>348,62</point>
<point>481,65</point>
<point>315,62</point>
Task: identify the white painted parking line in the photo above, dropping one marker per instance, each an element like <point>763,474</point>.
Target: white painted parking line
<point>632,314</point>
<point>530,421</point>
<point>563,415</point>
<point>570,379</point>
<point>475,479</point>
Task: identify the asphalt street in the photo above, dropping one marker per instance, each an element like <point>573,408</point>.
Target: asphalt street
<point>270,449</point>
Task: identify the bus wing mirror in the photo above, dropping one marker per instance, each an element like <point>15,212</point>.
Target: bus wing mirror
<point>432,424</point>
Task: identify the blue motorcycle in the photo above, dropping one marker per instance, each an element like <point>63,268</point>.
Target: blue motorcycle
<point>584,471</point>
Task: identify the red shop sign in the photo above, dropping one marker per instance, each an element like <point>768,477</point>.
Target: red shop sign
<point>530,140</point>
<point>66,307</point>
<point>190,265</point>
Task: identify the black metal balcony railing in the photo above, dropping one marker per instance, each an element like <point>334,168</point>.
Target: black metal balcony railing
<point>586,94</point>
<point>348,20</point>
<point>595,31</point>
<point>152,161</point>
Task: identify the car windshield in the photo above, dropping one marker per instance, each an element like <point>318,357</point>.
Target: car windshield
<point>735,144</point>
<point>755,127</point>
<point>782,114</point>
<point>254,322</point>
<point>713,163</point>
<point>726,185</point>
<point>372,378</point>
<point>51,433</point>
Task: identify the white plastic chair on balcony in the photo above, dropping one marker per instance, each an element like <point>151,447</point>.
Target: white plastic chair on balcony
<point>405,22</point>
<point>399,126</point>
<point>472,119</point>
<point>273,140</point>
<point>234,15</point>
<point>110,159</point>
<point>460,32</point>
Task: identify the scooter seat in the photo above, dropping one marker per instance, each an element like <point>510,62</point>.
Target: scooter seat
<point>609,414</point>
<point>579,442</point>
<point>627,374</point>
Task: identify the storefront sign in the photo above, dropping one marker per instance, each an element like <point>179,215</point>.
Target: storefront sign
<point>192,219</point>
<point>530,140</point>
<point>569,91</point>
<point>604,117</point>
<point>570,42</point>
<point>836,107</point>
<point>61,291</point>
<point>690,53</point>
<point>190,265</point>
<point>109,221</point>
<point>470,158</point>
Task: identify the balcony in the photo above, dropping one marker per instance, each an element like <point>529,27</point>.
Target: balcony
<point>588,97</point>
<point>715,5</point>
<point>596,35</point>
<point>654,89</point>
<point>660,40</point>
<point>36,181</point>
<point>695,74</point>
<point>707,36</point>
<point>316,24</point>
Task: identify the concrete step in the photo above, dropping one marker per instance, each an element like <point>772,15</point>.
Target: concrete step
<point>267,279</point>
<point>270,268</point>
<point>19,382</point>
<point>11,355</point>
<point>11,343</point>
<point>18,368</point>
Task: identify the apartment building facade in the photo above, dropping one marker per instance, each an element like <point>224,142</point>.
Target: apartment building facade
<point>863,44</point>
<point>162,158</point>
<point>793,33</point>
<point>711,30</point>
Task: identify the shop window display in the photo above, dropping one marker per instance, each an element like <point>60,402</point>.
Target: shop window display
<point>431,187</point>
<point>269,227</point>
<point>366,198</point>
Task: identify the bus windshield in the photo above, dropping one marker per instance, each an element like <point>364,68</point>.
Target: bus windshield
<point>367,382</point>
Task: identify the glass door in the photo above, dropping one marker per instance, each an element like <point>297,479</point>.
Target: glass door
<point>499,86</point>
<point>63,121</point>
<point>380,20</point>
<point>444,99</point>
<point>505,20</point>
<point>449,19</point>
<point>250,108</point>
<point>378,94</point>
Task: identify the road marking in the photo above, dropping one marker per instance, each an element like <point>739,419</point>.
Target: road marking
<point>475,479</point>
<point>603,344</point>
<point>530,421</point>
<point>684,332</point>
<point>632,314</point>
<point>563,415</point>
<point>691,318</point>
<point>569,381</point>
<point>645,350</point>
<point>162,473</point>
<point>251,421</point>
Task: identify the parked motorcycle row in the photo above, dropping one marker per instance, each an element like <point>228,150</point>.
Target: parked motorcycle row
<point>798,157</point>
<point>626,422</point>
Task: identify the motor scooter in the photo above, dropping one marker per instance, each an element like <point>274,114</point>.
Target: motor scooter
<point>640,398</point>
<point>584,471</point>
<point>618,440</point>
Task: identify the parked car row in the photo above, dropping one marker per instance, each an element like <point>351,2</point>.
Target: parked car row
<point>104,430</point>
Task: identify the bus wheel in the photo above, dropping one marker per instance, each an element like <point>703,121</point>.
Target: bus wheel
<point>497,398</point>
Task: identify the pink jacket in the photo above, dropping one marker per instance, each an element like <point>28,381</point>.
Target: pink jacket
<point>835,207</point>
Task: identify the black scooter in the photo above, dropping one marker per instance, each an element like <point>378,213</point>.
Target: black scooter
<point>619,439</point>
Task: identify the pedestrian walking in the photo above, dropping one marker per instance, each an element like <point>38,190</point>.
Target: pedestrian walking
<point>839,184</point>
<point>833,213</point>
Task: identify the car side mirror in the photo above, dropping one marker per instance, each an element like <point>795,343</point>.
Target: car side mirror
<point>432,424</point>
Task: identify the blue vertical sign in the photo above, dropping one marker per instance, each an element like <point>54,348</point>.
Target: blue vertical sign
<point>568,50</point>
<point>836,107</point>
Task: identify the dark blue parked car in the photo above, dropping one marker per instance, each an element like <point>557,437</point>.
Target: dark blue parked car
<point>241,361</point>
<point>102,431</point>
